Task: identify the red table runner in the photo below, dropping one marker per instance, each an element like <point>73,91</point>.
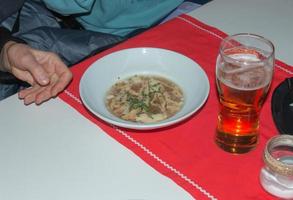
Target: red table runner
<point>186,152</point>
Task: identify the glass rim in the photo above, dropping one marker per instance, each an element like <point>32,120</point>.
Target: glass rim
<point>273,163</point>
<point>252,35</point>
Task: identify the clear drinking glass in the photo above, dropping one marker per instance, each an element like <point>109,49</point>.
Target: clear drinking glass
<point>276,176</point>
<point>244,72</point>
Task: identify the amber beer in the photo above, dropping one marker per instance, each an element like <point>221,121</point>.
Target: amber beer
<point>243,78</point>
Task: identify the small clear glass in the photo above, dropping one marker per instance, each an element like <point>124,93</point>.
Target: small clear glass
<point>276,176</point>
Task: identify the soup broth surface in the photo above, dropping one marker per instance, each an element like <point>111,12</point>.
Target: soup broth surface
<point>144,98</point>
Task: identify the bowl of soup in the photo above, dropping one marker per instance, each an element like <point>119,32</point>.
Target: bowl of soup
<point>144,88</point>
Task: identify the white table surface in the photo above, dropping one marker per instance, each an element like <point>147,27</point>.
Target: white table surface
<point>272,19</point>
<point>51,152</point>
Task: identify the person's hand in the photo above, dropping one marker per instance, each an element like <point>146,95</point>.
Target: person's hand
<point>44,71</point>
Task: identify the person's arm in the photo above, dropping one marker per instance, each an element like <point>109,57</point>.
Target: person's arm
<point>44,71</point>
<point>6,39</point>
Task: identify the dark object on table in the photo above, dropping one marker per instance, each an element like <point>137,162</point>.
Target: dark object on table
<point>282,106</point>
<point>199,1</point>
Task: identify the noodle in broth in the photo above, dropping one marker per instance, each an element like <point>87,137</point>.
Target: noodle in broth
<point>145,99</point>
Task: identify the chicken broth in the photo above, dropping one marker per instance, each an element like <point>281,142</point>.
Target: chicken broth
<point>145,99</point>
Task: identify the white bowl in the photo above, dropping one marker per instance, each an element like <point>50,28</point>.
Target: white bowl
<point>106,71</point>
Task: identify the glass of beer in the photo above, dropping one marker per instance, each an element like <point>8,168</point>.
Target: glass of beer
<point>244,71</point>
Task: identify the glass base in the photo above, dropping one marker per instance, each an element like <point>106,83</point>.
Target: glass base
<point>236,144</point>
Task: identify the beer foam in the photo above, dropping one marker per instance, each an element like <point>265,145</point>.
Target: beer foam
<point>250,74</point>
<point>245,57</point>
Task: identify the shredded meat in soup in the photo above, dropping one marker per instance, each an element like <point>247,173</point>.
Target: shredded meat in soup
<point>144,99</point>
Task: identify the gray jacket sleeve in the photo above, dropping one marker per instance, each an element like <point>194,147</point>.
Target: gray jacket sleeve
<point>41,29</point>
<point>8,7</point>
<point>71,45</point>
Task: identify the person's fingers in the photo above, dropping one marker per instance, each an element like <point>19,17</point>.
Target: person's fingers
<point>25,92</point>
<point>57,84</point>
<point>31,97</point>
<point>24,76</point>
<point>36,88</point>
<point>61,83</point>
<point>64,75</point>
<point>37,71</point>
<point>38,94</point>
<point>44,95</point>
<point>47,93</point>
<point>27,62</point>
